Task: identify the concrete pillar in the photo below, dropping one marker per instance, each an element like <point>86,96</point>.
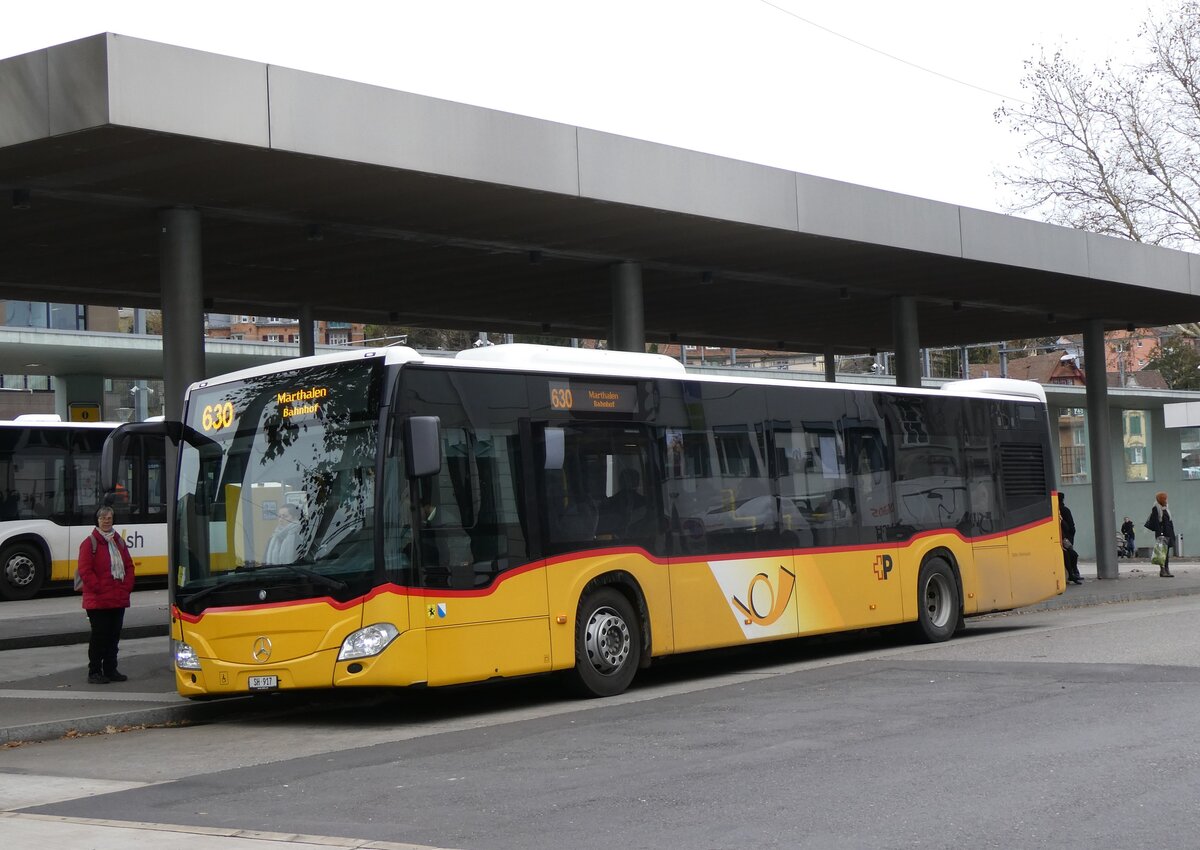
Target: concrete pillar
<point>181,288</point>
<point>80,389</point>
<point>1103,512</point>
<point>304,334</point>
<point>182,291</point>
<point>629,326</point>
<point>907,345</point>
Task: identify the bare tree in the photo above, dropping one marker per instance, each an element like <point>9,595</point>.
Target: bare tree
<point>1115,150</point>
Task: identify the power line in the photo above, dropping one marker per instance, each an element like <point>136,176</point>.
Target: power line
<point>891,56</point>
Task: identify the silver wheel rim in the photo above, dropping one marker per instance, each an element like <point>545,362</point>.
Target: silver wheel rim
<point>19,570</point>
<point>937,600</point>
<point>606,640</point>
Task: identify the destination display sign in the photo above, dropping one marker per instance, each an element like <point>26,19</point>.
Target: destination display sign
<point>579,397</point>
<point>224,411</point>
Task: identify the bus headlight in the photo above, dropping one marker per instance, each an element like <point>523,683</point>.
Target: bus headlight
<point>185,657</point>
<point>368,641</point>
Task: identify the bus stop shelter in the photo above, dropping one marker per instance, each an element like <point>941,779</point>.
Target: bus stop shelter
<point>142,174</point>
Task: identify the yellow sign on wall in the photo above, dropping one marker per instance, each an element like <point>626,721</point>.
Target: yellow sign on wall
<point>83,412</point>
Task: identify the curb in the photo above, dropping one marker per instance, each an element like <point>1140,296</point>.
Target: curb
<point>184,713</point>
<point>79,637</point>
<point>1088,601</point>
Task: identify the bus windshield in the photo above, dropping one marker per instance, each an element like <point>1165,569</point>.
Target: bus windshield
<point>278,506</point>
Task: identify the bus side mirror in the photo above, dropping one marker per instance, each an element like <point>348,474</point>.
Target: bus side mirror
<point>115,446</point>
<point>423,446</point>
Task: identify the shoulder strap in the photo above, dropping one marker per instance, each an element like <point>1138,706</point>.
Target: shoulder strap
<point>92,540</point>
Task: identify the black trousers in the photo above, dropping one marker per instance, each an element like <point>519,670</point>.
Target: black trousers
<point>106,634</point>
<point>1071,563</point>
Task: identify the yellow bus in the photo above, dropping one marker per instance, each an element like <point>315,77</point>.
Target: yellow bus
<point>49,492</point>
<point>379,518</point>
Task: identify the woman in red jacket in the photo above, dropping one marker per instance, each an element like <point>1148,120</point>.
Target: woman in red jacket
<point>106,571</point>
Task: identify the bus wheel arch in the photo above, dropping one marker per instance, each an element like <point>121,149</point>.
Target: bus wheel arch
<point>24,567</point>
<point>612,635</point>
<point>939,597</point>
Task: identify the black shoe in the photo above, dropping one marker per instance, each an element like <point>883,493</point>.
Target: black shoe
<point>97,679</point>
<point>114,676</point>
<point>1165,574</point>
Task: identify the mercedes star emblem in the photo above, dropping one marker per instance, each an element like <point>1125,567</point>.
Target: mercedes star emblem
<point>262,650</point>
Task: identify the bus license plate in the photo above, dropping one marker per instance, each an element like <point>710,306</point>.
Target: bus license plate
<point>264,683</point>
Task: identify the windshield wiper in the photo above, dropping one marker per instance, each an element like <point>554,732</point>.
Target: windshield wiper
<point>323,580</point>
<point>199,594</point>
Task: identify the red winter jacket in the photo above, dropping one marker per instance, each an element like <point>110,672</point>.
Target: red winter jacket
<point>100,589</point>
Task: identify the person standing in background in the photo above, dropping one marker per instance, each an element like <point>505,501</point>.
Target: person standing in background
<point>106,574</point>
<point>1163,526</point>
<point>1127,533</point>
<point>1070,556</point>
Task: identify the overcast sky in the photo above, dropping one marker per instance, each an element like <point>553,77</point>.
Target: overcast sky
<point>799,84</point>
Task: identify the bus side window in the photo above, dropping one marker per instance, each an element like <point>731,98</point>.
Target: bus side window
<point>605,493</point>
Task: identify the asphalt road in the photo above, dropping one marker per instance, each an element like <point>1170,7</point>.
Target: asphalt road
<point>1062,728</point>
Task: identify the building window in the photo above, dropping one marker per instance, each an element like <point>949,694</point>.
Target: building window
<point>272,338</point>
<point>39,383</point>
<point>237,336</point>
<point>1072,445</point>
<point>1189,452</point>
<point>1135,440</point>
<point>339,339</point>
<point>40,314</point>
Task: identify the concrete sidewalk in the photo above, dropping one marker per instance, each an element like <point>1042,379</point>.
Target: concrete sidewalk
<point>59,620</point>
<point>43,657</point>
<point>43,672</point>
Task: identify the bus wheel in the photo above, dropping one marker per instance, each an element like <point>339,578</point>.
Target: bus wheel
<point>938,611</point>
<point>608,644</point>
<point>21,571</point>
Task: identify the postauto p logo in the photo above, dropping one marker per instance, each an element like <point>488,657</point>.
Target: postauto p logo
<point>883,566</point>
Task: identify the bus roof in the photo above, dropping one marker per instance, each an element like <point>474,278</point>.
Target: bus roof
<point>556,358</point>
<point>548,358</point>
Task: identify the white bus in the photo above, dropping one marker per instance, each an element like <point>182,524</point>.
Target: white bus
<point>49,492</point>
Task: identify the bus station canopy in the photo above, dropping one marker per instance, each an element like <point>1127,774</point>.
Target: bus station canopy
<point>373,205</point>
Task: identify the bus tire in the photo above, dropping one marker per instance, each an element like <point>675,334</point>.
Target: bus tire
<point>938,605</point>
<point>608,644</point>
<point>22,571</point>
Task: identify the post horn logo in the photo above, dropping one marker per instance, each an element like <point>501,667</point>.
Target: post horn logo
<point>262,650</point>
<point>763,605</point>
